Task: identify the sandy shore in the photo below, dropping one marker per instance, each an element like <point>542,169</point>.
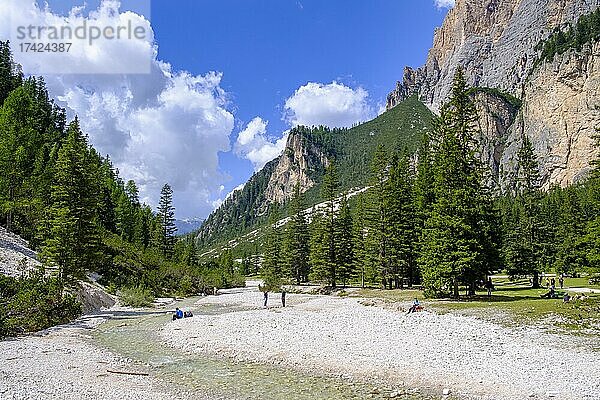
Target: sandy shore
<point>61,364</point>
<point>341,336</point>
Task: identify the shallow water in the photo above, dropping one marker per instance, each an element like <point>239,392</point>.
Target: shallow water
<point>136,337</point>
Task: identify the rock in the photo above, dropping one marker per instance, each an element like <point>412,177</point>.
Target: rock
<point>446,392</point>
<point>494,42</point>
<point>298,159</point>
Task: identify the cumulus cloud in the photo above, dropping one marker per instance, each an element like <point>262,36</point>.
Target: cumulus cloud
<point>253,143</point>
<point>444,3</point>
<point>332,105</point>
<point>165,126</point>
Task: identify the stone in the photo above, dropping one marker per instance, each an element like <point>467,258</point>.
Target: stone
<point>494,42</point>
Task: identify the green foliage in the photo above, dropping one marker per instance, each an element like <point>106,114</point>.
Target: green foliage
<point>166,213</point>
<point>453,249</point>
<point>515,102</point>
<point>296,246</point>
<point>136,296</point>
<point>33,302</point>
<point>352,150</point>
<point>586,30</point>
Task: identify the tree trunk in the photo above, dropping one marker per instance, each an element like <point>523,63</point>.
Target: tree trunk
<point>456,292</point>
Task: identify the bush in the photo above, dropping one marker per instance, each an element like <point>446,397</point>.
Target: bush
<point>136,296</point>
<point>34,302</point>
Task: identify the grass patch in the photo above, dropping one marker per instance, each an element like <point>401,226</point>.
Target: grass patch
<point>512,303</point>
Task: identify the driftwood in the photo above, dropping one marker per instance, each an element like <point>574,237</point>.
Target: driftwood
<point>127,372</point>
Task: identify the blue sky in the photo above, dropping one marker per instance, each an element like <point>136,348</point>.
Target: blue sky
<point>278,63</point>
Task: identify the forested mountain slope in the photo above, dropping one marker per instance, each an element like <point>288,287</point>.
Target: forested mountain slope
<point>308,152</point>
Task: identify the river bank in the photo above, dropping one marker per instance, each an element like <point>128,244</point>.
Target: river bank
<point>466,356</point>
<point>62,363</point>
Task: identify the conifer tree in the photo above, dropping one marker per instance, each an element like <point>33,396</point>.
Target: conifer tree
<point>166,213</point>
<point>327,270</point>
<point>378,238</point>
<point>402,221</point>
<point>296,243</point>
<point>453,251</point>
<point>71,238</point>
<point>525,244</point>
<point>344,237</point>
<point>271,271</point>
<point>359,231</point>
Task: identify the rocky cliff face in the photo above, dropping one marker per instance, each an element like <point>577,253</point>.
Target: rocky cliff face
<point>494,42</point>
<point>560,113</point>
<point>296,165</point>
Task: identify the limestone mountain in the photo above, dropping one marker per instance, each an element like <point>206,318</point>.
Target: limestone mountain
<point>503,45</point>
<point>308,152</point>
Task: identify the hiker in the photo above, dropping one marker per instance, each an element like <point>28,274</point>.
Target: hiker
<point>178,314</point>
<point>552,282</point>
<point>266,296</point>
<point>551,294</point>
<point>561,281</point>
<point>566,298</point>
<point>489,286</point>
<point>187,314</point>
<point>283,297</point>
<point>414,306</point>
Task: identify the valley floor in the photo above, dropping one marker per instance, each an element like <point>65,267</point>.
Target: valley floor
<point>350,337</point>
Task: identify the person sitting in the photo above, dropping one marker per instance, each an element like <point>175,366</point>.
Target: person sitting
<point>416,306</point>
<point>566,298</point>
<point>551,294</point>
<point>178,314</point>
<point>187,314</point>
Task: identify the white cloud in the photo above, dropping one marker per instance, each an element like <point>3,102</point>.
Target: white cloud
<point>445,3</point>
<point>253,144</point>
<point>166,126</point>
<point>333,105</point>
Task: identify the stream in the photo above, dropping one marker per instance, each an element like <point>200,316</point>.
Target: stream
<point>136,337</point>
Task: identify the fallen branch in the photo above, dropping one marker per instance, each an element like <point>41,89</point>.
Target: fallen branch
<point>127,372</point>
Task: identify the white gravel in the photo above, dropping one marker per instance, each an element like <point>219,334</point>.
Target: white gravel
<point>60,364</point>
<point>341,336</point>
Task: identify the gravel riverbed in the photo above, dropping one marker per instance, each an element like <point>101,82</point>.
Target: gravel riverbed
<point>60,363</point>
<point>465,356</point>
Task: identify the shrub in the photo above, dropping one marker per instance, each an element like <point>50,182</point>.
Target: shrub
<point>136,296</point>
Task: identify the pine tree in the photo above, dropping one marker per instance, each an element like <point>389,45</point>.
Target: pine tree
<point>296,243</point>
<point>329,193</point>
<point>271,271</point>
<point>452,250</point>
<point>379,229</point>
<point>166,213</point>
<point>71,237</point>
<point>344,243</point>
<point>402,221</point>
<point>359,231</point>
<point>11,76</point>
<point>525,244</point>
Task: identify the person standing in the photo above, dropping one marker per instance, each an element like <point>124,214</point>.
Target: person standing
<point>489,286</point>
<point>561,281</point>
<point>283,297</point>
<point>266,296</point>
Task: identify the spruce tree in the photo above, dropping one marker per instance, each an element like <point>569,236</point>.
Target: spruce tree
<point>71,235</point>
<point>271,271</point>
<point>328,270</point>
<point>344,243</point>
<point>166,213</point>
<point>526,234</point>
<point>378,238</point>
<point>452,251</point>
<point>296,243</point>
<point>359,231</point>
